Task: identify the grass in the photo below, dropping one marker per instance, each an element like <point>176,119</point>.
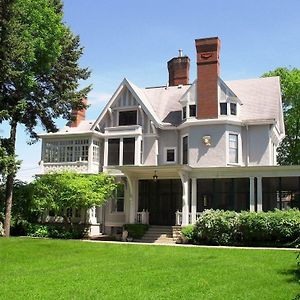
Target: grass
<point>60,269</point>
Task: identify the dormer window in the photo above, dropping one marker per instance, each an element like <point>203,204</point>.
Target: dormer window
<point>184,113</point>
<point>233,109</point>
<point>127,117</point>
<point>223,109</point>
<point>228,108</point>
<point>192,109</point>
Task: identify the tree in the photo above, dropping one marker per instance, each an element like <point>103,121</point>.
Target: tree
<point>58,192</point>
<point>39,72</point>
<point>289,149</point>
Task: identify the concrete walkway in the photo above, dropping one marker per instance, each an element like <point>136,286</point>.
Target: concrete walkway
<point>192,246</point>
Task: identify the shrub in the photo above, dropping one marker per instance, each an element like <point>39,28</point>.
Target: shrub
<point>188,232</point>
<point>254,228</point>
<point>136,231</point>
<point>216,227</point>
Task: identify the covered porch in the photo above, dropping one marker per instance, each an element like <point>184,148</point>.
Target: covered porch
<point>177,195</point>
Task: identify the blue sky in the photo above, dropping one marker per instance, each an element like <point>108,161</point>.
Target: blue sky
<point>135,39</point>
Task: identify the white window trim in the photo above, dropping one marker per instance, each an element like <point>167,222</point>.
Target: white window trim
<point>239,144</point>
<point>165,155</point>
<point>114,212</point>
<point>228,111</point>
<point>128,108</point>
<point>181,148</point>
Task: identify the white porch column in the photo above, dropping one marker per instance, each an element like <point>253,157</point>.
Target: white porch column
<point>132,183</point>
<point>252,196</point>
<point>259,194</point>
<point>137,156</point>
<point>121,152</point>
<point>194,200</point>
<point>105,159</point>
<point>185,200</point>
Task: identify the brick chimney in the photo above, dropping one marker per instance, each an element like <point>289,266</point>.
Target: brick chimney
<point>79,115</point>
<point>208,71</point>
<point>179,68</point>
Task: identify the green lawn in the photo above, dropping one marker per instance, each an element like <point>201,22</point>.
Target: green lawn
<point>54,269</point>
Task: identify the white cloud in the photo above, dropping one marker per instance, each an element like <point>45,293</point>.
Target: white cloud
<point>97,98</point>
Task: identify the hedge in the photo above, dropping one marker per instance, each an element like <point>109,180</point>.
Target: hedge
<point>219,227</point>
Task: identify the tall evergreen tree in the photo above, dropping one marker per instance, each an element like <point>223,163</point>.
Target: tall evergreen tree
<point>39,72</point>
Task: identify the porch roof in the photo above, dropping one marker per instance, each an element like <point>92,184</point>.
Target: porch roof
<point>167,172</point>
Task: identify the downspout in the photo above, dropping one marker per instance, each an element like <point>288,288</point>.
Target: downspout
<point>248,146</point>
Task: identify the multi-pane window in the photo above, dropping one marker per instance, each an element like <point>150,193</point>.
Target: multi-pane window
<point>170,155</point>
<point>127,117</point>
<point>118,199</point>
<point>96,151</point>
<point>224,108</point>
<point>185,142</point>
<point>66,151</point>
<point>233,148</point>
<point>113,156</point>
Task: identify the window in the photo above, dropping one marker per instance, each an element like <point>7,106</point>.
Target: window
<point>128,117</point>
<point>118,199</point>
<point>184,113</point>
<point>223,108</point>
<point>170,155</point>
<point>233,148</point>
<point>233,109</point>
<point>66,151</point>
<point>113,152</point>
<point>192,110</point>
<point>128,151</point>
<point>96,151</point>
<point>185,142</point>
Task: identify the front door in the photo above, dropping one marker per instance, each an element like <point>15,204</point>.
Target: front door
<point>161,198</point>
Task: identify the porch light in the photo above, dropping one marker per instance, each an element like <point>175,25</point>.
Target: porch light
<point>155,176</point>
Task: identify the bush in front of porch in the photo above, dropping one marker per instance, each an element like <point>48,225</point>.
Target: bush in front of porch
<point>273,228</point>
<point>136,231</point>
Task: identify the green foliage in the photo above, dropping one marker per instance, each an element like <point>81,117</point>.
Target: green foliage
<point>217,227</point>
<point>136,231</point>
<point>59,191</point>
<point>24,228</point>
<point>248,228</point>
<point>189,232</point>
<point>289,149</point>
<point>39,74</point>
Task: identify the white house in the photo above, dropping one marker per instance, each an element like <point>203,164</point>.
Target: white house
<point>181,148</point>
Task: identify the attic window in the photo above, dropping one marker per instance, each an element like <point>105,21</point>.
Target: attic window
<point>192,110</point>
<point>184,113</point>
<point>233,109</point>
<point>128,117</point>
<point>228,108</point>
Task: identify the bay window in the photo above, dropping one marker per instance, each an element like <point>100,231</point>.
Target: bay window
<point>233,148</point>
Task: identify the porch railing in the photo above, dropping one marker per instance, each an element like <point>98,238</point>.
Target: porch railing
<point>142,217</point>
<point>178,217</point>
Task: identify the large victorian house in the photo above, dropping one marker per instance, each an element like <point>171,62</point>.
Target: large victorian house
<point>181,148</point>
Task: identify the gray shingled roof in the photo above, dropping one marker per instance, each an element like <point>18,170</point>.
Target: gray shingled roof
<point>260,97</point>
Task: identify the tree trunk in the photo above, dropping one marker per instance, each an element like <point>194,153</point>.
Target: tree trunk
<point>10,180</point>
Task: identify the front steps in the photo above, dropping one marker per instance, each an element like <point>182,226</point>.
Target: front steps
<point>158,234</point>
